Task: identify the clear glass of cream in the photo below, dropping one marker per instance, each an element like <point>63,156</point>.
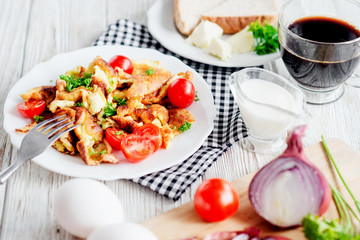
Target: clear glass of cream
<point>269,104</point>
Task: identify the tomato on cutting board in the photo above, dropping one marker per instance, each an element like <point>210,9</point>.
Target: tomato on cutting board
<point>31,108</point>
<point>151,132</point>
<point>122,62</point>
<point>215,200</point>
<point>181,93</point>
<point>136,147</point>
<point>114,136</point>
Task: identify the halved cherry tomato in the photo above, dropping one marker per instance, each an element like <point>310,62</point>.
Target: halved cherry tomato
<point>181,93</point>
<point>122,62</point>
<point>31,108</point>
<point>151,132</point>
<point>215,200</point>
<point>114,136</point>
<point>136,147</point>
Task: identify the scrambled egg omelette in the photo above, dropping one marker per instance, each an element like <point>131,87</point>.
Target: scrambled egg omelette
<point>101,97</point>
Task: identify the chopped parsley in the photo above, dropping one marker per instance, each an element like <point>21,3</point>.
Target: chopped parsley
<point>185,126</point>
<point>121,101</point>
<point>109,89</point>
<point>111,80</point>
<point>174,127</point>
<point>119,132</point>
<point>109,110</point>
<point>150,71</point>
<point>266,38</point>
<point>38,118</point>
<point>79,104</point>
<point>92,152</point>
<point>196,97</point>
<point>72,83</point>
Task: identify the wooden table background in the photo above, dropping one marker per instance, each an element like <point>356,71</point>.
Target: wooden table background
<point>32,31</point>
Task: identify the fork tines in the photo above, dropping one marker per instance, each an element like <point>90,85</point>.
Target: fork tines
<point>55,126</point>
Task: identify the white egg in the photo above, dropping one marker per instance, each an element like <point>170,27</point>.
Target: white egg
<point>122,231</point>
<point>82,205</point>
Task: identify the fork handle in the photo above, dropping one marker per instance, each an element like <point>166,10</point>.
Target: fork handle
<point>10,170</point>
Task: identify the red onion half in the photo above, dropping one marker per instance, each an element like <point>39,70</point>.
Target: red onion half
<point>288,188</point>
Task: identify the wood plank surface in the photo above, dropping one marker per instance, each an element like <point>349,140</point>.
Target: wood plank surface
<point>183,222</point>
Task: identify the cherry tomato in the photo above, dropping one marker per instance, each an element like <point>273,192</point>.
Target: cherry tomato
<point>114,136</point>
<point>122,62</point>
<point>151,132</point>
<point>136,147</point>
<point>215,200</point>
<point>181,93</point>
<point>31,108</point>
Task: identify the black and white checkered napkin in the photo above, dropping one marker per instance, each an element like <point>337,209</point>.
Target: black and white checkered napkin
<point>228,126</point>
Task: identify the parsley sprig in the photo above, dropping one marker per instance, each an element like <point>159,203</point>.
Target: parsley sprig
<point>196,97</point>
<point>184,127</point>
<point>316,228</point>
<point>266,38</point>
<point>72,83</point>
<point>150,71</point>
<point>38,118</point>
<point>92,152</point>
<point>109,110</point>
<point>79,104</point>
<point>121,101</point>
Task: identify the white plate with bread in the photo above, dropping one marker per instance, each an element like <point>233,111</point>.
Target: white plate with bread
<point>171,21</point>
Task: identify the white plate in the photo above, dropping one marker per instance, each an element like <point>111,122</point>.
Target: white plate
<point>162,27</point>
<point>181,148</point>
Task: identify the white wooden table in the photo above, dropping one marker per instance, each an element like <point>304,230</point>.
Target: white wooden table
<point>33,31</point>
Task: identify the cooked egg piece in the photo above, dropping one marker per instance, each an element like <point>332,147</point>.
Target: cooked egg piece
<point>122,231</point>
<point>220,48</point>
<point>204,33</point>
<point>242,41</point>
<point>82,205</point>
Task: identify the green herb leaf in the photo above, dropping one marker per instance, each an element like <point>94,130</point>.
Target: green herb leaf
<point>185,126</point>
<point>38,118</point>
<point>92,152</point>
<point>196,97</point>
<point>72,83</point>
<point>121,101</point>
<point>174,127</point>
<point>266,38</point>
<point>109,90</point>
<point>150,71</point>
<point>119,132</point>
<point>102,152</point>
<point>79,104</point>
<point>109,110</point>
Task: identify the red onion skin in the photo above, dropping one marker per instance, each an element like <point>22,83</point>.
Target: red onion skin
<point>295,149</point>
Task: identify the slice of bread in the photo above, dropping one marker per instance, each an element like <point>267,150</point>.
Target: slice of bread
<point>231,15</point>
<point>187,13</point>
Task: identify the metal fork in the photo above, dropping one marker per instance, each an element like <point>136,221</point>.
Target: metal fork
<point>37,140</point>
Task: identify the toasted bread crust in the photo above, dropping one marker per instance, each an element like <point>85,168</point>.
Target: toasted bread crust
<point>179,23</point>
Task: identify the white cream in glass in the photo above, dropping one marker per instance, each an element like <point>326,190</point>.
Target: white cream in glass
<point>269,104</point>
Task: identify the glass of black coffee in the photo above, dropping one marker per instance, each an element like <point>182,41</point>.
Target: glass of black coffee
<point>320,45</point>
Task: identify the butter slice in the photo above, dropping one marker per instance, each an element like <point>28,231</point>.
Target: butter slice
<point>220,49</point>
<point>242,41</point>
<point>204,33</point>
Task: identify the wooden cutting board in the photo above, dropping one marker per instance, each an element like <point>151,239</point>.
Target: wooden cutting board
<point>183,222</point>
